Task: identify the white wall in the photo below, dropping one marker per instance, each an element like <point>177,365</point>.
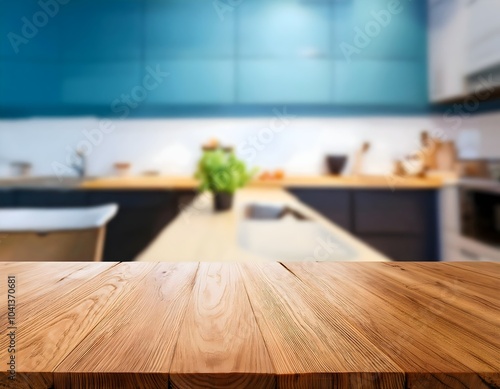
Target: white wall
<point>172,146</point>
<point>486,129</point>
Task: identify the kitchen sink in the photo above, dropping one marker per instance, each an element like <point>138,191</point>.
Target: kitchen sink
<point>271,212</point>
<point>280,233</point>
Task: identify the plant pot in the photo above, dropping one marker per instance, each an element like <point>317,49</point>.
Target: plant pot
<point>223,201</point>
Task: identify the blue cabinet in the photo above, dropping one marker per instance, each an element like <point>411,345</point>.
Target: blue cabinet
<point>92,54</point>
<point>283,28</point>
<point>379,51</point>
<point>99,83</point>
<point>25,84</point>
<point>101,30</point>
<point>379,29</point>
<point>27,31</point>
<point>283,81</point>
<point>180,29</point>
<point>195,82</point>
<point>380,82</point>
<point>283,47</point>
<point>187,39</point>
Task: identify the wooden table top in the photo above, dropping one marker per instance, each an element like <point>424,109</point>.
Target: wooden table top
<point>268,325</point>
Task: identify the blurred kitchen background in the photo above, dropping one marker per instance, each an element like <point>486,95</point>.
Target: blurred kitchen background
<point>133,89</point>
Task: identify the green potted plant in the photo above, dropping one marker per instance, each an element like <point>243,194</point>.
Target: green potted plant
<point>221,172</point>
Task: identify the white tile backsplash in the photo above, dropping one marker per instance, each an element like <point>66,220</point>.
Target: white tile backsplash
<point>172,146</point>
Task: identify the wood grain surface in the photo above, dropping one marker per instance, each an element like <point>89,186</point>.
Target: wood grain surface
<point>236,325</point>
<point>216,348</point>
<point>307,336</point>
<point>440,331</point>
<point>65,318</point>
<point>124,380</point>
<point>150,314</point>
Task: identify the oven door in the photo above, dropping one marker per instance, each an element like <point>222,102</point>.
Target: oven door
<point>480,215</point>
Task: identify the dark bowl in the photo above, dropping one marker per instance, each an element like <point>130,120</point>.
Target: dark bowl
<point>336,163</point>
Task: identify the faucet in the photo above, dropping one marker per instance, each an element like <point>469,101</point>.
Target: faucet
<point>81,166</point>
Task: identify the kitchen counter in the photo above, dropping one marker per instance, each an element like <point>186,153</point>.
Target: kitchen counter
<point>398,221</point>
<point>272,325</point>
<point>290,181</point>
<point>200,234</point>
<point>172,182</point>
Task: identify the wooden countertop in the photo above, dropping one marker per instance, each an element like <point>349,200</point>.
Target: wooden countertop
<point>200,234</point>
<point>378,182</point>
<point>274,325</point>
<point>141,183</point>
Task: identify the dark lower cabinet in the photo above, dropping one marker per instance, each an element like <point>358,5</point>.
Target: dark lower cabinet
<point>332,203</point>
<point>131,198</point>
<point>141,217</point>
<point>129,233</point>
<point>393,212</point>
<point>49,198</point>
<point>142,214</point>
<point>402,248</point>
<point>6,199</point>
<point>401,224</point>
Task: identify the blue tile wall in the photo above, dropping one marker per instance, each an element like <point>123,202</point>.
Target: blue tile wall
<point>218,54</point>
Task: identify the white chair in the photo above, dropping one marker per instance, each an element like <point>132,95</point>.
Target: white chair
<point>59,234</point>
